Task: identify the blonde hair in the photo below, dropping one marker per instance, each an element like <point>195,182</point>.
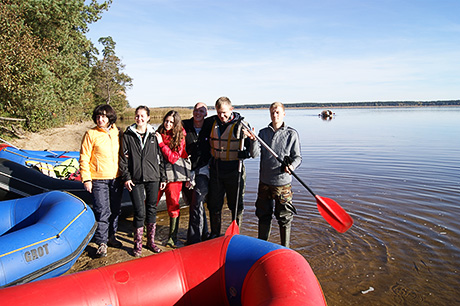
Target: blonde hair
<point>223,101</point>
<point>277,104</point>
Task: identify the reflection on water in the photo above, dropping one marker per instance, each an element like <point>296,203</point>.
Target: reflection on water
<point>397,173</point>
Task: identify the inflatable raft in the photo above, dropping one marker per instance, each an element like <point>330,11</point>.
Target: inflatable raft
<point>17,181</point>
<point>42,236</point>
<point>20,181</point>
<point>28,157</point>
<point>229,270</point>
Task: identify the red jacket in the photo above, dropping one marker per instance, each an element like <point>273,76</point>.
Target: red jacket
<point>169,155</point>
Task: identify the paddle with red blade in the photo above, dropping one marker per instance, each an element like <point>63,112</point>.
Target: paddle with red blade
<point>234,229</point>
<point>331,211</point>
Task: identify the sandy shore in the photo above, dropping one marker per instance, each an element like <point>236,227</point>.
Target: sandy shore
<point>67,138</point>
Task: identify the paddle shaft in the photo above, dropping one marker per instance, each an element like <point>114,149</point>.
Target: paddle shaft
<point>10,144</point>
<point>266,146</point>
<point>240,172</point>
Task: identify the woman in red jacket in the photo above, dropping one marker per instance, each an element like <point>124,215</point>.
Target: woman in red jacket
<point>171,139</point>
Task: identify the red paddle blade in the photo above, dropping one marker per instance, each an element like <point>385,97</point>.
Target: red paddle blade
<point>233,229</point>
<point>334,214</point>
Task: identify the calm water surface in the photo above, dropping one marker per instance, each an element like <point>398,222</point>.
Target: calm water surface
<point>397,173</point>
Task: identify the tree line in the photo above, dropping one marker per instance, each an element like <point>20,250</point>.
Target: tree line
<point>50,72</point>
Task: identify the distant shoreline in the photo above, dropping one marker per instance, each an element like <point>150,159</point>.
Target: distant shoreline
<point>377,104</point>
<point>381,106</point>
<point>315,105</point>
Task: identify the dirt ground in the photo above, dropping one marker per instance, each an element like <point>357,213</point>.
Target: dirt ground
<point>68,138</point>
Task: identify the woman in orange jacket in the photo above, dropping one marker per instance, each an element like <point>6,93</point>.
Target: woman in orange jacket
<point>101,177</point>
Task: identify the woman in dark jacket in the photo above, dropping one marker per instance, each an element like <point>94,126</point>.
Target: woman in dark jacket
<point>142,171</point>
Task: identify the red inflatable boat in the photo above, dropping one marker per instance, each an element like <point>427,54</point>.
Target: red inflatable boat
<point>230,270</point>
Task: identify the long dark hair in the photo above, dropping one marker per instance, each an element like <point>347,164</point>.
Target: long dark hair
<point>177,133</point>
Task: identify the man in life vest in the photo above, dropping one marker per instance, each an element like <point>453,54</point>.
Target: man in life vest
<point>229,146</point>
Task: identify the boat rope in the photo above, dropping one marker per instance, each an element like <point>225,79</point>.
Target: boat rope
<point>26,182</point>
<point>39,187</point>
<point>50,238</point>
<point>28,157</point>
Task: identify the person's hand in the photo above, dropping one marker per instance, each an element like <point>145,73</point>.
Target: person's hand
<point>189,185</point>
<point>287,162</point>
<point>159,137</point>
<point>88,186</point>
<point>129,185</point>
<point>249,134</point>
<point>162,185</point>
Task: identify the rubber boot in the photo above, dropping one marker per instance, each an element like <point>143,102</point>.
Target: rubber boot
<point>151,228</point>
<point>138,233</point>
<point>264,231</point>
<point>216,223</point>
<point>285,235</point>
<point>173,229</point>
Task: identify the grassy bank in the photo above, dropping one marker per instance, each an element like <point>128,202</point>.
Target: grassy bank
<point>157,113</point>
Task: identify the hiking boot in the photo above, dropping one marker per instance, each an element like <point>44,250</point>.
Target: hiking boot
<point>102,250</point>
<point>114,243</point>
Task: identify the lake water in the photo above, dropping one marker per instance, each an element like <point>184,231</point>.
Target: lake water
<point>397,173</point>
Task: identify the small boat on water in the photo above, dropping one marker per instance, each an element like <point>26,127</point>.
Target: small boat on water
<point>229,270</point>
<point>42,236</point>
<point>27,157</point>
<point>326,114</point>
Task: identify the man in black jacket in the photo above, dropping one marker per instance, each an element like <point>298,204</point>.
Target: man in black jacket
<point>197,147</point>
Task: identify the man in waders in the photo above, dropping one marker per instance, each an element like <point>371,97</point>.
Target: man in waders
<point>274,194</point>
<point>229,147</point>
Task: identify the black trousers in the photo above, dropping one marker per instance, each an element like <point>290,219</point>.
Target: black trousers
<point>144,197</point>
<point>225,184</point>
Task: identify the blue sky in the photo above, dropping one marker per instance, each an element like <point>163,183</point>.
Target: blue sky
<point>179,52</point>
